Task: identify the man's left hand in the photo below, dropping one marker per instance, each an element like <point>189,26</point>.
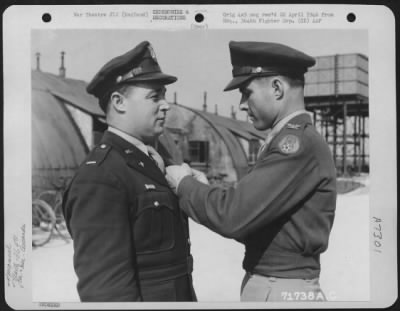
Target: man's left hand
<point>200,176</point>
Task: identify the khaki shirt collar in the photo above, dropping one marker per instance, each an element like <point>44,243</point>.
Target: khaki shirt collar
<point>133,140</point>
<point>281,123</point>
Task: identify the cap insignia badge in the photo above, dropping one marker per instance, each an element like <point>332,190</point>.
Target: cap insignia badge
<point>152,53</point>
<point>289,144</point>
<point>136,71</point>
<point>293,126</point>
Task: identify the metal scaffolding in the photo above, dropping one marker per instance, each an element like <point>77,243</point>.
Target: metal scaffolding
<point>342,121</point>
<point>336,92</point>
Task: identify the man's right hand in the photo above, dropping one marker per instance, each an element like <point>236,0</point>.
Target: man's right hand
<point>175,173</point>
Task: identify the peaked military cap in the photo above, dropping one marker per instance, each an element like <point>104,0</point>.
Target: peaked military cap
<point>139,65</point>
<point>260,59</point>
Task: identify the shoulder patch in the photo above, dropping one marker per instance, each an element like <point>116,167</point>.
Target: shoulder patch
<point>98,155</point>
<point>289,144</point>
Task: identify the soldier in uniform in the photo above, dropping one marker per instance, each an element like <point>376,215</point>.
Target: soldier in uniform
<point>131,240</point>
<point>283,209</point>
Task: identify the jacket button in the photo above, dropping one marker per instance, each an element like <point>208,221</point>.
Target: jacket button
<point>102,146</point>
<point>156,203</point>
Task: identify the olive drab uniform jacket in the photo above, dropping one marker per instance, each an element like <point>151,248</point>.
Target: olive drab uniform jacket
<point>131,241</point>
<point>282,210</point>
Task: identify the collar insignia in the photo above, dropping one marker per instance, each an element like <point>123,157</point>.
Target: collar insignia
<point>148,187</point>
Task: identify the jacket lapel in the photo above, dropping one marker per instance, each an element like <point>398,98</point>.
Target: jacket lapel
<point>135,158</point>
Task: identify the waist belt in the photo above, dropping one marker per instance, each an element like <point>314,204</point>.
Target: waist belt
<point>167,272</point>
<point>282,264</point>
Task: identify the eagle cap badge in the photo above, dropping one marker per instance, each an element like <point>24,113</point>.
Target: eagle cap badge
<point>293,126</point>
<point>152,53</point>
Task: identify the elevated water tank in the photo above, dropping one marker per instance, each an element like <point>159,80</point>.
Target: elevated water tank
<point>337,75</point>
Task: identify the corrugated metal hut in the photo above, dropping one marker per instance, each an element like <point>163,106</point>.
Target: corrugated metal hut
<point>66,122</point>
<point>222,147</point>
<point>59,143</point>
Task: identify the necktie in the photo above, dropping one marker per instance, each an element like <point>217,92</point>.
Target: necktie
<point>156,158</point>
<point>265,144</point>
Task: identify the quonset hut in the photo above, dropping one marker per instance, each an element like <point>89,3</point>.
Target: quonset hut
<point>63,119</point>
<point>223,148</point>
<point>67,122</point>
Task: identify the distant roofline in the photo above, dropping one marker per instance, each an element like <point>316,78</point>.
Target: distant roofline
<point>198,111</point>
<point>57,76</point>
<point>63,96</point>
<point>204,115</point>
<point>342,54</point>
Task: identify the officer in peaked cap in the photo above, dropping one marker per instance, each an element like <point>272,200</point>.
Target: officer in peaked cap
<point>262,59</point>
<point>131,240</point>
<point>139,65</point>
<point>283,209</point>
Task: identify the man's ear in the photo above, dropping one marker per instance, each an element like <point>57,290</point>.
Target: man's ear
<point>118,102</point>
<point>278,88</point>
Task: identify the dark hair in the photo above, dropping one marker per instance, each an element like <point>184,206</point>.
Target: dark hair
<point>292,79</point>
<point>295,80</point>
<point>120,88</point>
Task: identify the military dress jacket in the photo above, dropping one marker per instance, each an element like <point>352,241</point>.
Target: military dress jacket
<point>131,240</point>
<point>282,210</point>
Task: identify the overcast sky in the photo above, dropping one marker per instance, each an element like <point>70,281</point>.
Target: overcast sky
<point>199,58</point>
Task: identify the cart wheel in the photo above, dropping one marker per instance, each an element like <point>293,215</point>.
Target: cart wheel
<point>60,224</point>
<point>43,222</point>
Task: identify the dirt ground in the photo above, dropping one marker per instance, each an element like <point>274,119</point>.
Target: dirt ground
<point>217,261</point>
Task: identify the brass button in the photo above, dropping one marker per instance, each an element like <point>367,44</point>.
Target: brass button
<point>102,146</point>
<point>156,203</point>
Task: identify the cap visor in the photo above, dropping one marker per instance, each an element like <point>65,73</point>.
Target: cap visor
<point>158,77</point>
<point>237,82</point>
